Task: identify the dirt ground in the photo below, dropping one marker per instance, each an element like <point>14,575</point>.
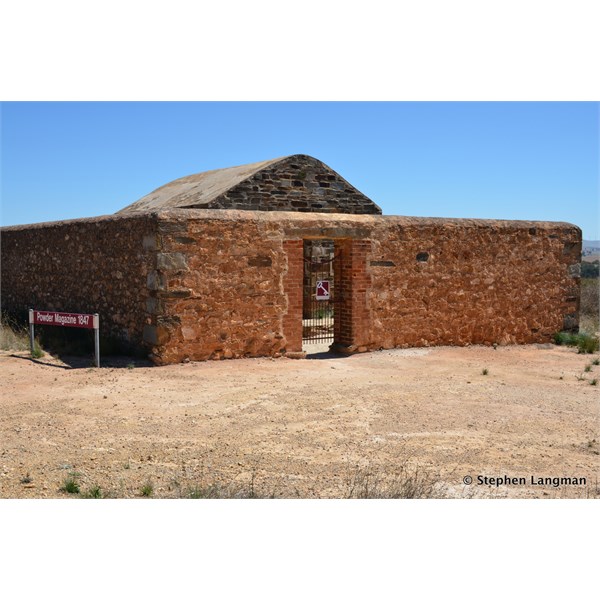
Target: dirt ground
<point>317,428</point>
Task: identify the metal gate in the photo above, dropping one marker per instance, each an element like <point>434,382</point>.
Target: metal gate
<point>318,311</point>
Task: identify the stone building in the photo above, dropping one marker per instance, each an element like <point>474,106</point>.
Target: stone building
<point>222,265</point>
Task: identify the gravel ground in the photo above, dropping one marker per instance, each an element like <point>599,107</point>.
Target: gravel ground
<point>410,422</point>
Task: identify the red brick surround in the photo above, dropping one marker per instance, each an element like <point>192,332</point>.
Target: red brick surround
<point>292,288</point>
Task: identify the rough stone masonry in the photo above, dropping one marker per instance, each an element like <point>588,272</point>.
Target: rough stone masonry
<point>209,269</point>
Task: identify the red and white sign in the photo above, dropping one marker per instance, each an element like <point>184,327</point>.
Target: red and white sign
<point>44,317</point>
<point>322,290</point>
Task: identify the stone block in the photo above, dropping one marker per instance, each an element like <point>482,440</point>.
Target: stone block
<point>175,293</point>
<point>172,261</point>
<point>156,281</point>
<point>570,248</point>
<point>188,333</point>
<point>260,261</point>
<point>184,240</point>
<point>149,335</point>
<point>153,306</point>
<point>149,242</point>
<point>172,227</point>
<point>383,263</point>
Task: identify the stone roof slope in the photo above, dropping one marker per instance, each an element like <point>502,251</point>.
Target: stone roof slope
<point>297,183</point>
<point>193,191</point>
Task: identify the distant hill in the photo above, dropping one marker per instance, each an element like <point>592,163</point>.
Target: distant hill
<point>590,247</point>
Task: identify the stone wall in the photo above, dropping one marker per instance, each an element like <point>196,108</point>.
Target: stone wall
<point>232,282</point>
<point>298,184</point>
<point>198,284</point>
<point>437,281</point>
<point>221,287</point>
<point>86,265</point>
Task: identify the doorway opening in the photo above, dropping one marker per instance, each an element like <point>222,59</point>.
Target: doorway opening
<point>318,297</point>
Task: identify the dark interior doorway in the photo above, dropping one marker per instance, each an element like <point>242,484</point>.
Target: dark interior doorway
<point>318,304</point>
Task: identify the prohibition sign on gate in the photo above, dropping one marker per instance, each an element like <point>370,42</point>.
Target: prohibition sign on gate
<point>322,290</point>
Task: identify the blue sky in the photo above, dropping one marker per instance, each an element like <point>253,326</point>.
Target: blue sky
<point>504,160</point>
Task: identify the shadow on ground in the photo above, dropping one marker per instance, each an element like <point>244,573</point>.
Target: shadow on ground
<point>86,362</point>
<point>320,352</point>
<point>326,355</point>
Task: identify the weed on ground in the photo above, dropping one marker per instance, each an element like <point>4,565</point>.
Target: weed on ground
<point>585,342</point>
<point>70,485</point>
<point>407,482</point>
<point>147,490</point>
<point>93,492</point>
<point>15,336</point>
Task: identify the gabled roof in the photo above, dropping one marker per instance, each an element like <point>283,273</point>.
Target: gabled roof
<point>202,190</point>
<point>196,191</point>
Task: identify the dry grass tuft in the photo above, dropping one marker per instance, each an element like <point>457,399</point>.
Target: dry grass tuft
<point>589,321</point>
<point>405,481</point>
<point>13,336</point>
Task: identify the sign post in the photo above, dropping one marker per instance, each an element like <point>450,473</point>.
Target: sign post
<point>31,334</point>
<point>96,325</point>
<point>44,317</point>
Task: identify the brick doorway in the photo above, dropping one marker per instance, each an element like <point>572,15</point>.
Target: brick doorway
<point>350,280</point>
<point>318,293</point>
